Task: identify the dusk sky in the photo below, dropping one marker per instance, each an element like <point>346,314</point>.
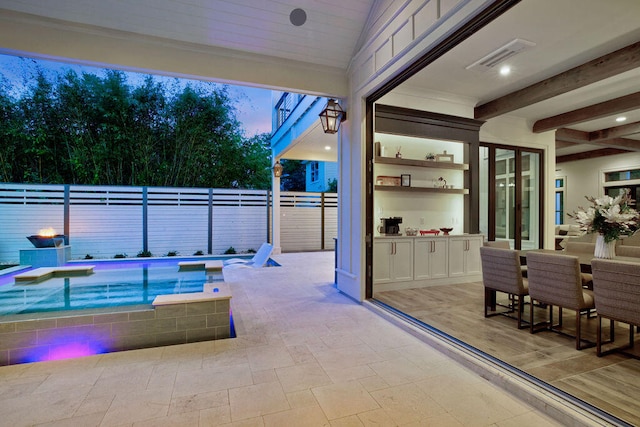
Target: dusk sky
<point>253,105</point>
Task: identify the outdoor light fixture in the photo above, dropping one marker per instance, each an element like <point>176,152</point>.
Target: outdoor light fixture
<point>332,116</point>
<point>277,169</point>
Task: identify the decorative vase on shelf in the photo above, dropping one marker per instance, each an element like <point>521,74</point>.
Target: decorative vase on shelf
<point>604,249</point>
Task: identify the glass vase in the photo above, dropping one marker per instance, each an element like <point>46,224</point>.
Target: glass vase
<point>604,249</point>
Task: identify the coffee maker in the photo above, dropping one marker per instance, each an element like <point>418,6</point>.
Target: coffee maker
<point>390,226</point>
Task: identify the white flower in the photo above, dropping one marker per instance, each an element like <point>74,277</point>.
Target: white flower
<point>613,215</point>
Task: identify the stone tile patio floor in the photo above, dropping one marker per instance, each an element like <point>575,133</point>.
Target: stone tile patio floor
<point>305,355</point>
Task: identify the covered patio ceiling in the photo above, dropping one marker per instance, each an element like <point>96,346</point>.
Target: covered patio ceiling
<point>580,73</point>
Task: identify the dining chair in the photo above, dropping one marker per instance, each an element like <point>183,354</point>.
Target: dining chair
<point>501,272</point>
<point>555,280</point>
<point>504,244</point>
<point>616,286</point>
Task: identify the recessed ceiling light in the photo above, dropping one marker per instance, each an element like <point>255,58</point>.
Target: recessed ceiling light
<point>327,147</point>
<point>620,119</point>
<point>505,70</point>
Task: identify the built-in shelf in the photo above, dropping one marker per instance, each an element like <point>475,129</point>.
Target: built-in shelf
<point>422,189</point>
<point>421,163</point>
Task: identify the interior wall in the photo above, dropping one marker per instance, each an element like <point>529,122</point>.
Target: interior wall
<point>586,178</point>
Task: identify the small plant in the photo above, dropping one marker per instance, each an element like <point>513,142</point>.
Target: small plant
<point>172,253</point>
<point>87,256</point>
<point>230,251</point>
<point>199,253</point>
<point>144,254</point>
<point>123,255</point>
<point>251,251</point>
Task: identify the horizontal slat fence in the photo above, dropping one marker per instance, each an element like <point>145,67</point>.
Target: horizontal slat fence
<point>107,220</point>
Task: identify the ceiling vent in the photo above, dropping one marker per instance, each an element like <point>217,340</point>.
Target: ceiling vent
<point>497,56</point>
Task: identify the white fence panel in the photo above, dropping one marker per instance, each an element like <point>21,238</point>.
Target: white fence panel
<point>177,228</point>
<point>104,231</point>
<point>19,221</point>
<point>240,227</point>
<point>300,229</point>
<point>108,220</point>
<point>330,226</point>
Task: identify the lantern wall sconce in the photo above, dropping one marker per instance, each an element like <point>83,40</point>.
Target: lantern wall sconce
<point>332,116</point>
<point>277,169</point>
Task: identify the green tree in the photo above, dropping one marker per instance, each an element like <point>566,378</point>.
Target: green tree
<point>90,129</point>
<point>293,175</point>
<point>332,185</point>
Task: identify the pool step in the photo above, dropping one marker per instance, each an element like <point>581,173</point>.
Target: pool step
<point>43,273</point>
<point>211,292</point>
<point>211,265</point>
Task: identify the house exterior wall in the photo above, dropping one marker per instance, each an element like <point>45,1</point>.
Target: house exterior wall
<point>326,171</point>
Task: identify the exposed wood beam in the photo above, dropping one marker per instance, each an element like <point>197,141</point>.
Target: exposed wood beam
<point>592,112</point>
<point>615,132</point>
<point>572,135</point>
<point>589,155</point>
<point>564,144</point>
<point>609,65</point>
<point>581,137</point>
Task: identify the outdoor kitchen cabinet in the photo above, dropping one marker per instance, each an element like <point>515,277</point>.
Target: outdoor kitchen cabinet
<point>392,260</point>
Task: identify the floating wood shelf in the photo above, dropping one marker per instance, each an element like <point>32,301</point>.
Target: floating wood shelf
<point>421,163</point>
<point>422,189</point>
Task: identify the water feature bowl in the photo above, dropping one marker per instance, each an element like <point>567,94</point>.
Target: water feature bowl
<point>46,241</point>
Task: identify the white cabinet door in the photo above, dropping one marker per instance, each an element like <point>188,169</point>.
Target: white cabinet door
<point>472,256</point>
<point>382,253</point>
<point>392,260</point>
<point>439,259</point>
<point>430,259</point>
<point>403,260</point>
<point>457,247</point>
<point>464,256</point>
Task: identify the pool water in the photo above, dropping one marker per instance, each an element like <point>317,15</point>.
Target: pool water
<point>113,283</point>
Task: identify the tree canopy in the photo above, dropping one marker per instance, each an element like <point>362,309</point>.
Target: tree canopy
<point>100,130</point>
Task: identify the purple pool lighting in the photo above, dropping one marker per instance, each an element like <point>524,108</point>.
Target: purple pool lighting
<point>72,350</point>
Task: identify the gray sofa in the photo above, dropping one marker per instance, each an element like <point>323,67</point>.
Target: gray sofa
<point>626,246</point>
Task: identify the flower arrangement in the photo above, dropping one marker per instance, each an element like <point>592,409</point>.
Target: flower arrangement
<point>609,216</point>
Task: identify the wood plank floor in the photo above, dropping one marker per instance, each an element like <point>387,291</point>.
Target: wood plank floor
<point>611,383</point>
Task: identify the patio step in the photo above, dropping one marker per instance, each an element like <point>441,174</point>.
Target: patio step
<point>210,265</point>
<point>43,273</point>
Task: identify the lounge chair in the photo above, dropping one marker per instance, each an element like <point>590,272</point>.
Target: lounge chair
<point>259,259</point>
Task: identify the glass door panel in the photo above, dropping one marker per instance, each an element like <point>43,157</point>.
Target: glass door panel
<point>504,189</point>
<point>530,200</point>
<point>511,212</point>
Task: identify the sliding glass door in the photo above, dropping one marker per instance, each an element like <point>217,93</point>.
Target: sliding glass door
<point>511,195</point>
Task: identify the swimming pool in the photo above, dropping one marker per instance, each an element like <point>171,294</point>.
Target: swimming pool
<point>113,283</point>
<point>122,305</point>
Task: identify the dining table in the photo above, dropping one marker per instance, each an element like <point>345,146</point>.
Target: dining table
<point>584,258</point>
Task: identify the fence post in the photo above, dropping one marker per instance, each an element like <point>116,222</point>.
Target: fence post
<point>145,223</point>
<point>210,224</point>
<point>322,221</point>
<point>65,218</point>
<point>268,216</point>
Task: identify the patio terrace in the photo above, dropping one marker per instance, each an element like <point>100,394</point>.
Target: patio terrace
<point>305,354</point>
